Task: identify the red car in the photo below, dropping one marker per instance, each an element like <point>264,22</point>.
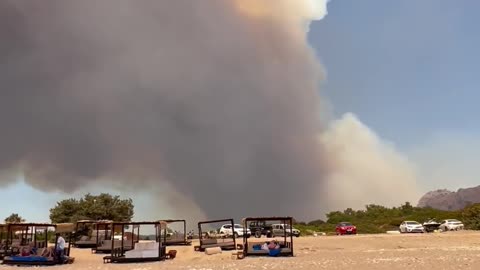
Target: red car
<point>345,228</point>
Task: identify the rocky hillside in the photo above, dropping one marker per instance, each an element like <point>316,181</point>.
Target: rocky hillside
<point>443,199</point>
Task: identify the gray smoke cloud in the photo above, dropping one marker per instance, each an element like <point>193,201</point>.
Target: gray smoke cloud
<point>217,98</point>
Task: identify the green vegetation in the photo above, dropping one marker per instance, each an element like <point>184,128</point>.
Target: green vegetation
<point>14,218</point>
<point>379,219</point>
<point>90,207</point>
<point>471,216</point>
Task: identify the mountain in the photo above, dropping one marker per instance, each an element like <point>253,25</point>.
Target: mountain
<point>443,199</point>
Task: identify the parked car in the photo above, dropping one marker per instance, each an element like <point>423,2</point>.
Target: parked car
<point>259,228</point>
<point>281,229</point>
<point>238,230</point>
<point>411,227</point>
<point>451,225</point>
<point>431,225</point>
<point>345,228</point>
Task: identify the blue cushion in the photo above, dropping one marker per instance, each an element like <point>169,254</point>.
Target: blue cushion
<point>28,259</point>
<point>274,252</point>
<point>257,247</point>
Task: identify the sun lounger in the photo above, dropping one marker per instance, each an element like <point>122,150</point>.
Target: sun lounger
<point>224,244</point>
<point>253,248</point>
<point>106,246</point>
<point>284,246</point>
<point>31,260</point>
<point>142,252</point>
<point>177,240</point>
<point>86,242</point>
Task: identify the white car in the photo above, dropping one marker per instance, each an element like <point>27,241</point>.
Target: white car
<point>411,226</point>
<point>238,230</point>
<point>280,229</point>
<point>451,225</point>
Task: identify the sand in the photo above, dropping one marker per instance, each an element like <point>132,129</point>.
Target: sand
<point>450,250</point>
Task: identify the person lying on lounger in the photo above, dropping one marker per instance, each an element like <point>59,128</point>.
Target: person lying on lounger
<point>33,249</point>
<point>30,250</point>
<point>271,245</point>
<point>24,251</point>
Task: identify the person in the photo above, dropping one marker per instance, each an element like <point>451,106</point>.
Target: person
<point>24,252</point>
<point>60,248</point>
<point>33,249</point>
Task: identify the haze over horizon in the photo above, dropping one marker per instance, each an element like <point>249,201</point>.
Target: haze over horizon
<point>400,76</point>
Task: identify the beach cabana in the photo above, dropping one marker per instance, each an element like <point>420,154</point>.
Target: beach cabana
<point>28,244</point>
<point>280,242</point>
<point>213,238</point>
<point>145,251</point>
<point>3,240</point>
<point>119,237</point>
<point>103,236</point>
<point>176,238</point>
<point>88,235</point>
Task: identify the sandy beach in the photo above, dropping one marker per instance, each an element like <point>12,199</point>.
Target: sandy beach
<point>452,250</point>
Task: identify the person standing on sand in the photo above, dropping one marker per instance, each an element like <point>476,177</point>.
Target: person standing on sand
<point>60,248</point>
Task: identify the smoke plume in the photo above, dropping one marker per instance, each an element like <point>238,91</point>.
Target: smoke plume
<point>366,169</point>
<point>216,99</point>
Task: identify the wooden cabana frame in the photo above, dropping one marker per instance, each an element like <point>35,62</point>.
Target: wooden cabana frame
<point>286,247</point>
<point>90,225</point>
<point>106,227</point>
<point>173,241</point>
<point>118,254</point>
<point>3,240</point>
<point>32,229</point>
<point>216,242</point>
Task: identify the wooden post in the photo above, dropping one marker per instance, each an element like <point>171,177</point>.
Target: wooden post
<point>56,242</point>
<point>233,235</point>
<point>123,235</point>
<point>291,235</point>
<point>35,239</point>
<point>133,236</point>
<point>96,228</point>
<point>112,238</point>
<point>200,234</point>
<point>185,232</point>
<point>159,239</point>
<point>46,239</point>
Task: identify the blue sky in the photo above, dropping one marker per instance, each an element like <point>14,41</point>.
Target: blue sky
<point>34,204</point>
<point>408,69</point>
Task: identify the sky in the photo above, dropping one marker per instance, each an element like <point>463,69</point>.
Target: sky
<point>407,69</point>
<point>413,61</point>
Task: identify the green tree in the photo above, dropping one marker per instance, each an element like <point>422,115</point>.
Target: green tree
<point>471,216</point>
<point>93,207</point>
<point>316,222</point>
<point>407,208</point>
<point>14,218</point>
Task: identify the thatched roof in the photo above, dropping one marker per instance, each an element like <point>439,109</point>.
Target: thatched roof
<point>173,220</point>
<point>24,226</point>
<point>65,227</point>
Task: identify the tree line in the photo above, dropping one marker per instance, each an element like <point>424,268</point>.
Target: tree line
<point>90,207</point>
<point>378,219</point>
<point>373,219</point>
